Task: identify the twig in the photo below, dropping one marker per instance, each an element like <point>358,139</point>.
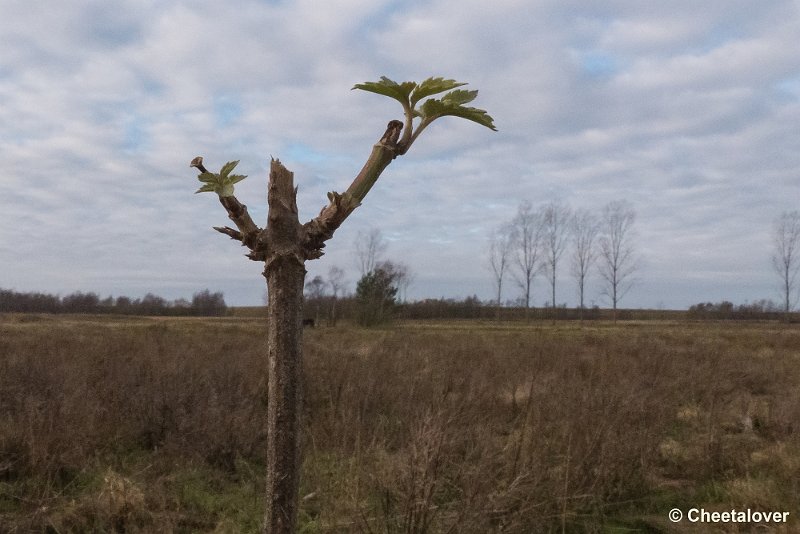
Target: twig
<point>234,234</point>
<point>249,234</point>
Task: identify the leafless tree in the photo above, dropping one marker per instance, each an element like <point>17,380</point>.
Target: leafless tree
<point>336,283</point>
<point>584,235</point>
<point>315,288</point>
<point>370,247</point>
<point>617,256</point>
<point>527,231</point>
<point>500,248</point>
<point>402,278</point>
<point>315,292</point>
<point>786,258</point>
<point>555,233</point>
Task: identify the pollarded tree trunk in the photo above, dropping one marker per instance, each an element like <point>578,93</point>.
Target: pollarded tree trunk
<point>285,245</point>
<point>285,272</point>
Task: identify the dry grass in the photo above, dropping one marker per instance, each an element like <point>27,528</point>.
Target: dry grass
<point>144,425</point>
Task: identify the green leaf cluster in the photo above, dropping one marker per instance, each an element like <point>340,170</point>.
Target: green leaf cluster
<point>220,183</point>
<point>409,94</point>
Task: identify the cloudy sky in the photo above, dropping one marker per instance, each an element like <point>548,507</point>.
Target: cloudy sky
<point>689,110</point>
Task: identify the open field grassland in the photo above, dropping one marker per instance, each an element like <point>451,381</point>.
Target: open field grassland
<point>156,425</point>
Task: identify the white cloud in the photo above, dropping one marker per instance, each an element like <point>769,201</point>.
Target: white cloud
<point>688,111</point>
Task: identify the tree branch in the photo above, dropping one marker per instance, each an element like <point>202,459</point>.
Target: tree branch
<point>237,212</point>
<point>341,205</point>
<point>234,234</point>
<point>249,234</point>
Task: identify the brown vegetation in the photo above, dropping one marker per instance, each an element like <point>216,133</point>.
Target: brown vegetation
<point>144,425</point>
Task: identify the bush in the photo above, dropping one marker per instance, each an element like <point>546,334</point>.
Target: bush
<point>375,295</point>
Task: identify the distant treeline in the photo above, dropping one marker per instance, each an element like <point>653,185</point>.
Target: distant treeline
<point>203,303</point>
<point>762,309</point>
<point>474,308</point>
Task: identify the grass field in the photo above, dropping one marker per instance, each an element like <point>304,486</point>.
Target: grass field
<point>112,424</point>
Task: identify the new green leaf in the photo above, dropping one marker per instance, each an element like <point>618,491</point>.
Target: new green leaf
<point>208,188</point>
<point>399,91</point>
<point>434,108</point>
<point>417,104</point>
<point>433,86</point>
<point>227,168</point>
<point>460,96</point>
<point>222,183</point>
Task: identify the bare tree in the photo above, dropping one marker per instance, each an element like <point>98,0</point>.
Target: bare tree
<point>336,283</point>
<point>500,248</point>
<point>284,245</point>
<point>555,235</point>
<point>315,289</point>
<point>617,258</point>
<point>370,247</point>
<point>315,292</point>
<point>402,277</point>
<point>584,234</point>
<point>527,231</point>
<point>786,258</point>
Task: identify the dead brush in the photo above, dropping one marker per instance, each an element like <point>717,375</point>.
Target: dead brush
<point>407,430</point>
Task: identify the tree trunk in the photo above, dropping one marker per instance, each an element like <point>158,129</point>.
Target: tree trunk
<point>614,296</point>
<point>787,291</point>
<point>527,298</point>
<point>499,295</point>
<point>285,273</point>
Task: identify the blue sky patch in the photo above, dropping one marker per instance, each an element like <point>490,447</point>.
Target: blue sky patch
<point>227,109</point>
<point>599,64</point>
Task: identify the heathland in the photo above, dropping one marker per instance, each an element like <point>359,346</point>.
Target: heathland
<point>125,424</point>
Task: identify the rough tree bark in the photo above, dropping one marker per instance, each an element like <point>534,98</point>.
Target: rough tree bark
<point>285,272</point>
<point>285,245</point>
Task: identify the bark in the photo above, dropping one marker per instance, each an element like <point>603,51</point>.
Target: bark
<point>285,273</point>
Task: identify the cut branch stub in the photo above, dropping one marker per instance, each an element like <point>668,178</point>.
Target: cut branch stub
<point>283,232</point>
<point>197,162</point>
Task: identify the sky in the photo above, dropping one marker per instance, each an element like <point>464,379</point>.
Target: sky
<point>687,110</point>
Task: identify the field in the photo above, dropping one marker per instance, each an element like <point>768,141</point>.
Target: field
<point>112,424</point>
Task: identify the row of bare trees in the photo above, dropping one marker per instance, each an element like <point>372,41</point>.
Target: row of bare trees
<point>535,240</point>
